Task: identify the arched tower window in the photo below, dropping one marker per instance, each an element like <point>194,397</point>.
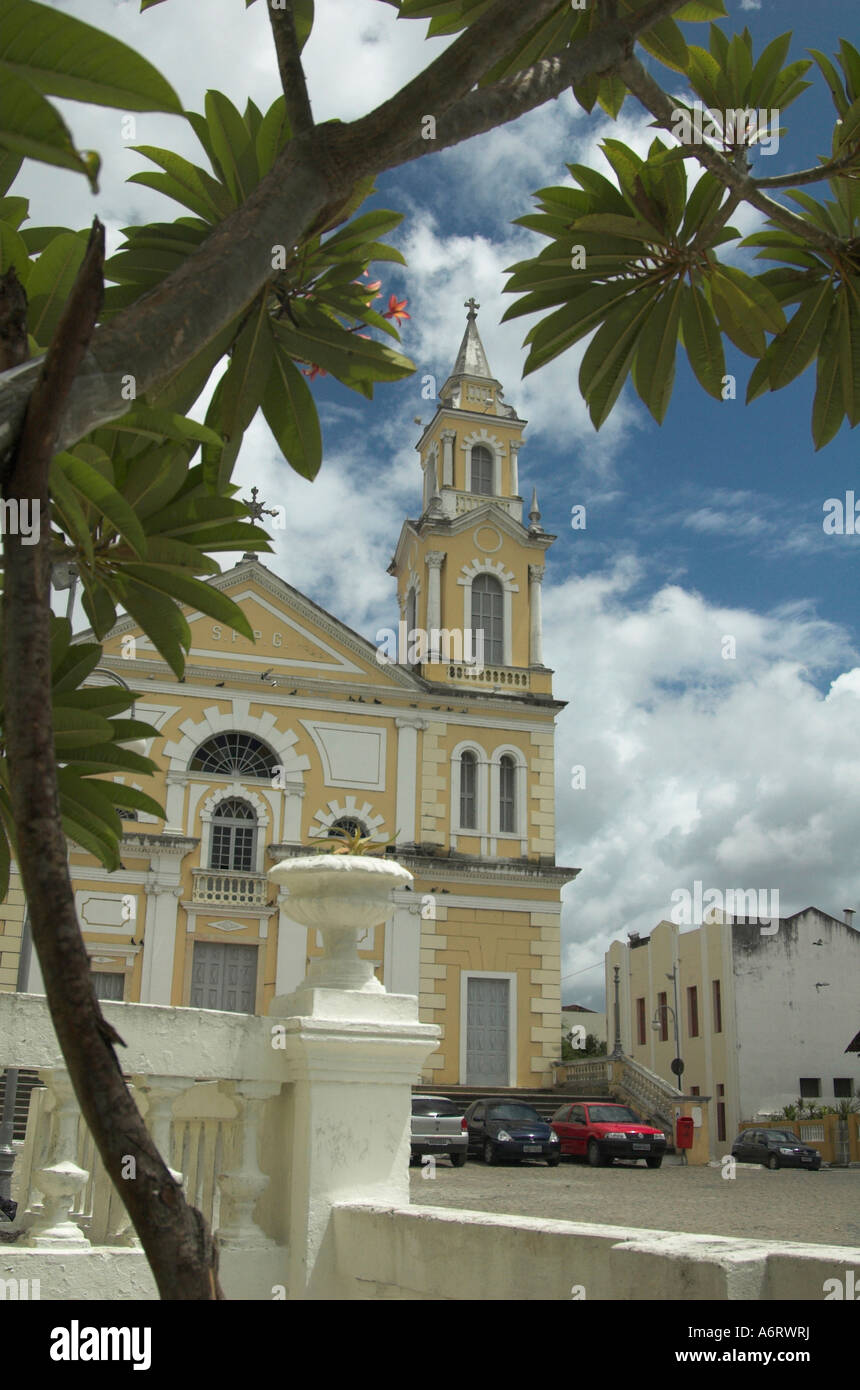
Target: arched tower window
<point>234,836</point>
<point>507,794</point>
<point>483,470</point>
<point>469,790</point>
<point>488,616</point>
<point>235,755</point>
<point>411,614</point>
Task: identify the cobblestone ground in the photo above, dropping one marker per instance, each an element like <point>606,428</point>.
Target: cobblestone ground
<point>823,1207</point>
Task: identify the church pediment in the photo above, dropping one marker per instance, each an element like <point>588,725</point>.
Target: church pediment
<point>294,637</point>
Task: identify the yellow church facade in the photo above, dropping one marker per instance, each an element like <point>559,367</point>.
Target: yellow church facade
<point>437,739</point>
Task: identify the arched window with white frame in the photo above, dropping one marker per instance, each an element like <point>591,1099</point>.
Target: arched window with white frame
<point>411,615</point>
<point>488,616</point>
<point>483,480</point>
<point>469,790</point>
<point>233,844</point>
<point>234,754</point>
<point>507,795</point>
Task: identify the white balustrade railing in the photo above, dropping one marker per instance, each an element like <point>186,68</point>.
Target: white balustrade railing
<point>206,1123</point>
<point>213,886</point>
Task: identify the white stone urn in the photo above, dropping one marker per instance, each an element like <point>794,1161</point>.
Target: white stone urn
<point>340,896</point>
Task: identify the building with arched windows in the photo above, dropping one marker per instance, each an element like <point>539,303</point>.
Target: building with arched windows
<point>447,758</point>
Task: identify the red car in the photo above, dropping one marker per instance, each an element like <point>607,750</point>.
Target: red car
<point>601,1131</point>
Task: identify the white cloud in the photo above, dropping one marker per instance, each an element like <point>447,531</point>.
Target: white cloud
<point>736,773</point>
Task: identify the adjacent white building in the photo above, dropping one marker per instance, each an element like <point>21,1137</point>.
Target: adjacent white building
<point>763,1011</point>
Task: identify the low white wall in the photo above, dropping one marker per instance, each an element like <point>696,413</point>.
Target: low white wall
<point>121,1276</point>
<point>440,1254</point>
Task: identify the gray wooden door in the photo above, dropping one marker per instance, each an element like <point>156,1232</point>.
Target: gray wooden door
<point>224,977</point>
<point>487,1032</point>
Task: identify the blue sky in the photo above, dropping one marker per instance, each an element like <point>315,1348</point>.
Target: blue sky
<point>739,773</point>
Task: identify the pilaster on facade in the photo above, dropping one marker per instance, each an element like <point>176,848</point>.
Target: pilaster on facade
<point>433,808</point>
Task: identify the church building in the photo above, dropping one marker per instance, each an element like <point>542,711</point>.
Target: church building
<point>441,747</point>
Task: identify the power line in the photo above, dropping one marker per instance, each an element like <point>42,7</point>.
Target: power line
<point>597,963</point>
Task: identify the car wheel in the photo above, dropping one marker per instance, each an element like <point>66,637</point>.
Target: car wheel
<point>595,1157</point>
<point>489,1152</point>
<point>772,1163</point>
<point>553,1161</point>
<point>458,1159</point>
<point>654,1162</point>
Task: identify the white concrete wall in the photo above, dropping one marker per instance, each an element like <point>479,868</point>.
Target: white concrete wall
<point>435,1253</point>
<point>788,1028</point>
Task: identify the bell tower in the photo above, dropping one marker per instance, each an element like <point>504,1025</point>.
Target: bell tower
<point>469,569</point>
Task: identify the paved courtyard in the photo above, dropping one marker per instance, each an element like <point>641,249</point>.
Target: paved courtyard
<point>823,1207</point>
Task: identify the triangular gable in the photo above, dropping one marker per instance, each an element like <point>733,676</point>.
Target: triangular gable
<point>295,638</point>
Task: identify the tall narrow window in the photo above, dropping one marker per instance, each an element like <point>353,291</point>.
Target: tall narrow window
<point>411,620</point>
<point>693,1011</point>
<point>721,1113</point>
<point>718,1007</point>
<point>640,1022</point>
<point>507,795</point>
<point>469,790</point>
<point>483,468</point>
<point>234,837</point>
<point>488,616</point>
<point>663,1016</point>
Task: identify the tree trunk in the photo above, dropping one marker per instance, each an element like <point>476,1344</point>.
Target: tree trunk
<point>175,1237</point>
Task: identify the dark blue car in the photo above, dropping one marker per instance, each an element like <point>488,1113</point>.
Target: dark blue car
<point>500,1129</point>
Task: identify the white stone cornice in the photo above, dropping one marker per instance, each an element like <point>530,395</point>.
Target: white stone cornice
<point>174,845</point>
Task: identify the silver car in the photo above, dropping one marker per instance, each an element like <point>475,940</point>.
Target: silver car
<point>437,1129</point>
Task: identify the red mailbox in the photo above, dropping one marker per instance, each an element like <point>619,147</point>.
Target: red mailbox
<point>684,1132</point>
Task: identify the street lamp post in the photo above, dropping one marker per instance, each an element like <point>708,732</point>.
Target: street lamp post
<point>616,1050</point>
<point>677,1065</point>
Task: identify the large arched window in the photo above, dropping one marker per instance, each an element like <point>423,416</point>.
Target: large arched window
<point>469,790</point>
<point>488,616</point>
<point>235,755</point>
<point>483,470</point>
<point>507,795</point>
<point>234,837</point>
<point>350,824</point>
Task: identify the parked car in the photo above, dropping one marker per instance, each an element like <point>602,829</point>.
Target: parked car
<point>499,1128</point>
<point>775,1148</point>
<point>438,1128</point>
<point>602,1131</point>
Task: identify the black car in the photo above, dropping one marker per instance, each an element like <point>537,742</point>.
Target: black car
<point>500,1128</point>
<point>775,1148</point>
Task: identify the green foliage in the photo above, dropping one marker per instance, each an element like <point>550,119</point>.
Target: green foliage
<point>312,311</point>
<point>825,327</point>
<point>563,28</point>
<point>140,524</point>
<point>727,77</point>
<point>44,52</point>
<point>635,260</point>
<point>89,734</point>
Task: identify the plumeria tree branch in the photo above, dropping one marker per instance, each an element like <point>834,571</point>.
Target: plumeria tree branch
<point>847,163</point>
<point>736,178</point>
<point>291,69</point>
<point>314,175</point>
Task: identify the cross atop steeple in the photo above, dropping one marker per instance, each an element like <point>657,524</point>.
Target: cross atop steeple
<point>473,306</point>
<point>256,511</point>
